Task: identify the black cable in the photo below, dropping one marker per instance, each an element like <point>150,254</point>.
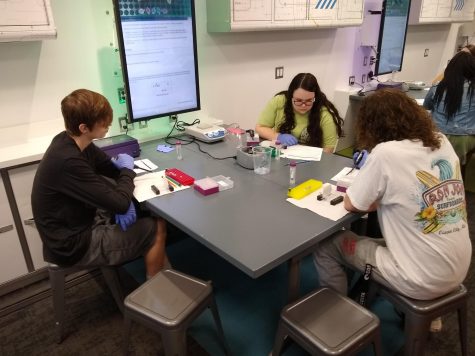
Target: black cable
<point>179,125</point>
<point>218,158</point>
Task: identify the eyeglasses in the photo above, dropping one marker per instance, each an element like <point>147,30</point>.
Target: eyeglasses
<point>300,102</point>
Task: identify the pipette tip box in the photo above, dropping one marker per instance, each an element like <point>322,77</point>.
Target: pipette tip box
<point>206,186</point>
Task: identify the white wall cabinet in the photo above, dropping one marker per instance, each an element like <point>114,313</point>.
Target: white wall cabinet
<point>26,20</point>
<point>22,183</point>
<point>441,11</point>
<point>12,261</point>
<point>259,15</point>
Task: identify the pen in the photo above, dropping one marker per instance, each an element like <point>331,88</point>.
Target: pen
<point>136,166</point>
<point>173,181</point>
<point>298,162</point>
<point>146,165</point>
<point>155,190</point>
<point>170,186</point>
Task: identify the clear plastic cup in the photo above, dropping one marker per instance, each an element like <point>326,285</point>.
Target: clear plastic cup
<point>262,159</point>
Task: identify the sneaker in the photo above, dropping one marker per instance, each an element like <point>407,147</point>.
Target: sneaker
<point>436,325</point>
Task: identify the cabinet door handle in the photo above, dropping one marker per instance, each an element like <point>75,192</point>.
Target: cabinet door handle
<point>30,221</point>
<point>6,228</point>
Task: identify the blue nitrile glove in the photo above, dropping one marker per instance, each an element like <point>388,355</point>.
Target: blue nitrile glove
<point>127,219</point>
<point>123,160</point>
<point>287,139</point>
<point>359,158</point>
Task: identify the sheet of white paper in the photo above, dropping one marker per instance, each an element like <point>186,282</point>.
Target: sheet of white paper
<point>146,165</point>
<point>420,101</point>
<point>322,207</point>
<point>345,172</point>
<point>307,153</point>
<point>143,183</point>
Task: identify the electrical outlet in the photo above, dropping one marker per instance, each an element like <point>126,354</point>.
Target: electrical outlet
<point>279,72</point>
<point>426,52</point>
<point>172,119</point>
<point>123,124</point>
<point>351,80</point>
<point>365,61</point>
<point>143,124</point>
<point>363,78</point>
<point>121,94</point>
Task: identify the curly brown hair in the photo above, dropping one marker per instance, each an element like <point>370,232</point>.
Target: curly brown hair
<point>391,115</point>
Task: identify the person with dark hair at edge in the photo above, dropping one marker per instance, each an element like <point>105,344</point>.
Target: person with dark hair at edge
<point>452,104</point>
<point>469,48</point>
<point>82,200</point>
<point>301,114</point>
<point>412,179</point>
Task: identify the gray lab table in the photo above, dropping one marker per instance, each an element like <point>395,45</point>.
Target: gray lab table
<point>251,225</point>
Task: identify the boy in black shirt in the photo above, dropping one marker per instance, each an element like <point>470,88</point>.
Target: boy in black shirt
<point>74,205</point>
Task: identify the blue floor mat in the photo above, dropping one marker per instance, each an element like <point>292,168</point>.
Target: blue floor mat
<point>250,308</point>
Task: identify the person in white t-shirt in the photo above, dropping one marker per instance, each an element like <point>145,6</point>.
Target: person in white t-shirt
<point>412,178</point>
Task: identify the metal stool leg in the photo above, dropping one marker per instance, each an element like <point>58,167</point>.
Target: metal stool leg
<point>57,280</point>
<point>279,339</point>
<point>214,310</point>
<point>416,332</point>
<point>112,279</point>
<point>377,347</point>
<point>127,328</point>
<point>174,342</point>
<point>462,317</point>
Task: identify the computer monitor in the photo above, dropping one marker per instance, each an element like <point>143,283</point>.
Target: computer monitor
<point>157,43</point>
<point>392,36</point>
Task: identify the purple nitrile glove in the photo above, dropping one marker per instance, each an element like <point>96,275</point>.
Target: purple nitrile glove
<point>287,139</point>
<point>359,158</point>
<point>123,160</point>
<point>127,219</point>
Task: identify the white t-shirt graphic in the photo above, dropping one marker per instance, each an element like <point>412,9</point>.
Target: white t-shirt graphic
<point>422,215</point>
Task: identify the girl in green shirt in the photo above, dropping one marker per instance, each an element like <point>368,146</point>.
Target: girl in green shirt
<point>302,114</point>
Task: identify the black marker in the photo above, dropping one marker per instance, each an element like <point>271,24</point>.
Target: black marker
<point>336,200</point>
<point>155,190</point>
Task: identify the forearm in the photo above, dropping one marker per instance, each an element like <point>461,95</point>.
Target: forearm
<point>267,133</point>
<point>350,207</point>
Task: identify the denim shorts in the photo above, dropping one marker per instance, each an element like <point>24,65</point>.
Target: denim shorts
<point>111,246</point>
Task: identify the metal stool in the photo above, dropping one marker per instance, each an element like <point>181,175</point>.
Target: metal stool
<point>168,303</point>
<point>327,323</point>
<point>57,277</point>
<point>420,313</point>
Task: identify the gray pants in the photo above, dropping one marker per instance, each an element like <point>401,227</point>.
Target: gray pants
<point>345,248</point>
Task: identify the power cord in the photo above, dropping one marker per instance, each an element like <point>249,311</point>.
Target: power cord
<point>218,158</point>
<point>179,126</point>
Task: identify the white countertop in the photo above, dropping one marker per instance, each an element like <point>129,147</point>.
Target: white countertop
<point>26,143</point>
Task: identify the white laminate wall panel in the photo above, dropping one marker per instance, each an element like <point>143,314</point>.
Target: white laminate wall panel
<point>22,183</point>
<point>12,262</point>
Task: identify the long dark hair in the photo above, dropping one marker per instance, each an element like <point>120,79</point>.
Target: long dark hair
<point>460,68</point>
<point>391,115</point>
<point>308,82</point>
